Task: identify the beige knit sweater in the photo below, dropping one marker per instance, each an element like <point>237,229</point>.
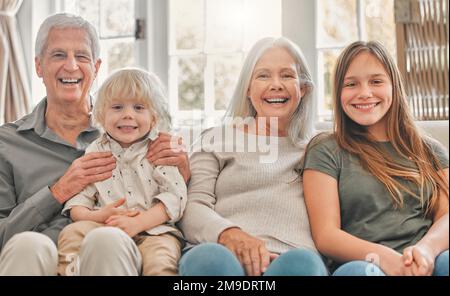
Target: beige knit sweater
<point>236,189</point>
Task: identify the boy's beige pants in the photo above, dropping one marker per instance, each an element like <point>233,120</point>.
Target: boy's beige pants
<point>90,248</point>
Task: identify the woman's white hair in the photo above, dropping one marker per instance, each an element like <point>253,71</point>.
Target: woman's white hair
<point>136,84</point>
<point>65,21</point>
<point>301,125</point>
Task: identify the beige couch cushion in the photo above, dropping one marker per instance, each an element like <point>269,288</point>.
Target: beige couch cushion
<point>436,129</point>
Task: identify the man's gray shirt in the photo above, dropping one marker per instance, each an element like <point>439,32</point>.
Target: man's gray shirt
<point>32,158</point>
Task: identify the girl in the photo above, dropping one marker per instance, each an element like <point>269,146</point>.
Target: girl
<point>377,189</point>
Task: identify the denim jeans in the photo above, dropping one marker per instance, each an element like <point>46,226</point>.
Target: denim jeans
<point>216,260</point>
<point>363,268</point>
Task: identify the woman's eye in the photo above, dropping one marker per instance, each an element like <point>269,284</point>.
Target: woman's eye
<point>263,76</point>
<point>288,76</point>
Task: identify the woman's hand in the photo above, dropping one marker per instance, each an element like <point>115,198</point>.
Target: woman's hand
<point>250,251</point>
<point>420,258</point>
<point>88,169</point>
<point>170,150</point>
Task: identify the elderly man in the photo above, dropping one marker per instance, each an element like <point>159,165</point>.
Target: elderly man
<point>42,161</point>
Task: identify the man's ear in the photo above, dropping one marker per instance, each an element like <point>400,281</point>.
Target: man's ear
<point>37,66</point>
<point>97,65</point>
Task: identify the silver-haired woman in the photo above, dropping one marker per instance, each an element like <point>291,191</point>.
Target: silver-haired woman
<point>245,210</point>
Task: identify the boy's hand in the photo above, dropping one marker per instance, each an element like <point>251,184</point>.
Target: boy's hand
<point>131,225</point>
<point>112,209</point>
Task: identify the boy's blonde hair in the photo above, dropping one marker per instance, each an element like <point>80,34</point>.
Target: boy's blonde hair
<point>136,84</point>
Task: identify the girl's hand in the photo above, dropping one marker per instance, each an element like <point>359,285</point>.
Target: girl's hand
<point>420,258</point>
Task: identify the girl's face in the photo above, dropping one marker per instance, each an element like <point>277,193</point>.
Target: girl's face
<point>367,94</point>
<point>127,121</point>
<point>275,86</point>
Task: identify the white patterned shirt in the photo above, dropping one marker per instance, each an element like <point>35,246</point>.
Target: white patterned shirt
<point>141,183</point>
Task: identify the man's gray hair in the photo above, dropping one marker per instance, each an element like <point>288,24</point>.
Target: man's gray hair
<point>301,125</point>
<point>64,21</point>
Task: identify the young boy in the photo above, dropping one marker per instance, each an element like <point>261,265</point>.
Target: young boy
<point>141,199</point>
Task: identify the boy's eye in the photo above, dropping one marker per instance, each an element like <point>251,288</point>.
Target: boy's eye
<point>117,107</point>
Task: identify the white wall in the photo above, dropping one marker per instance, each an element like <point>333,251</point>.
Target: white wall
<point>299,25</point>
<point>31,13</point>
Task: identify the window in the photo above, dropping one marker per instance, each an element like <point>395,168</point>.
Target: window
<point>115,24</point>
<point>340,22</point>
<point>208,40</point>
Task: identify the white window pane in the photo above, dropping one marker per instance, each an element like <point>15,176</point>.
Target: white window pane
<point>190,83</point>
<point>224,24</point>
<point>380,24</point>
<point>226,73</point>
<point>337,22</point>
<point>327,59</point>
<point>262,18</point>
<point>186,24</point>
<point>116,18</point>
<point>89,9</point>
<point>120,54</point>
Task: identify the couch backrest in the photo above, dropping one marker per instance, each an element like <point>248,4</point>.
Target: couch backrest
<point>437,129</point>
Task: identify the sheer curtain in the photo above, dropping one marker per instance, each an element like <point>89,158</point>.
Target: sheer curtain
<point>14,87</point>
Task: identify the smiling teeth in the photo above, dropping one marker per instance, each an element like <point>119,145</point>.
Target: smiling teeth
<point>67,80</point>
<point>365,106</point>
<point>276,100</point>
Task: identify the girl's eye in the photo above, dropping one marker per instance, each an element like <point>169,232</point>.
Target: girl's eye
<point>349,84</point>
<point>377,81</point>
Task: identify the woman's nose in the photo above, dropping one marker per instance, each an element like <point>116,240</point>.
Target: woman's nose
<point>276,84</point>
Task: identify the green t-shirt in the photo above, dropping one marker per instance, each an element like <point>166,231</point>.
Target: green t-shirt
<point>367,208</point>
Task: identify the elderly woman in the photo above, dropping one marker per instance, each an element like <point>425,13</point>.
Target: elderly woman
<point>42,161</point>
<point>245,209</point>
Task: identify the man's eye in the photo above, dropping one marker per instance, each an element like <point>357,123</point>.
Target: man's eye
<point>83,58</point>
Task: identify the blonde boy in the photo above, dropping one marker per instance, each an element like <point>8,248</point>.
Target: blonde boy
<point>141,199</point>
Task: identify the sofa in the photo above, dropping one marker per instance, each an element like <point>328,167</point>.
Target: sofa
<point>437,129</point>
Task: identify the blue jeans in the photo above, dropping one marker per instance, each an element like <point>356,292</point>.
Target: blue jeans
<point>363,268</point>
<point>216,260</point>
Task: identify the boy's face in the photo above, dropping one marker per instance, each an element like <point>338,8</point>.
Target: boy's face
<point>127,121</point>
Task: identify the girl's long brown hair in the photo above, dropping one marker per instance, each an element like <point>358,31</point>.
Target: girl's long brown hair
<point>401,131</point>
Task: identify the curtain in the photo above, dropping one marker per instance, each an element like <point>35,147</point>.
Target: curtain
<point>14,86</point>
